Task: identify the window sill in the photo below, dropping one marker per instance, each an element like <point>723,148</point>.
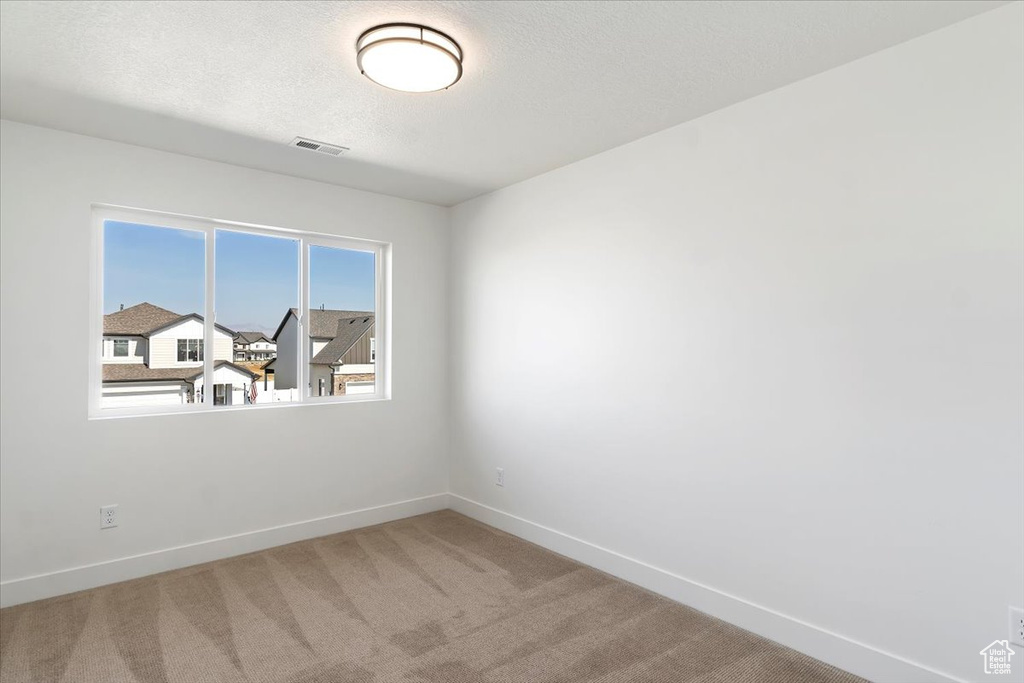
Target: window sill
<point>194,409</point>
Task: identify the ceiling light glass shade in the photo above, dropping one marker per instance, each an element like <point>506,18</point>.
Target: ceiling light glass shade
<point>409,57</point>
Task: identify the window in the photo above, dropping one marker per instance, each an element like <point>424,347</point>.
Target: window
<point>222,394</point>
<point>190,350</point>
<point>256,284</point>
<point>342,319</point>
<point>182,294</point>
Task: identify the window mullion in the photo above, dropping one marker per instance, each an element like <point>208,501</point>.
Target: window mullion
<point>209,318</point>
<point>382,360</point>
<point>303,340</point>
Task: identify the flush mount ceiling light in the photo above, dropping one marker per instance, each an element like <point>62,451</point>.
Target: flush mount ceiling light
<point>409,57</point>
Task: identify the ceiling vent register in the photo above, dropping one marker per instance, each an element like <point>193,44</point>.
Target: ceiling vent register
<point>318,147</point>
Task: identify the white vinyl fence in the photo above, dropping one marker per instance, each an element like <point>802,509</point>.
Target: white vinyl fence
<point>272,395</point>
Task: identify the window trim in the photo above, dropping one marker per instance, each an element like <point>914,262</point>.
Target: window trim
<point>209,226</point>
<point>113,350</point>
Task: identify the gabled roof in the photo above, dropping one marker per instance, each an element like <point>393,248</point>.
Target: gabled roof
<point>348,332</point>
<point>181,319</point>
<point>252,337</point>
<point>137,320</point>
<point>142,320</point>
<point>239,368</point>
<point>323,323</point>
<point>137,372</point>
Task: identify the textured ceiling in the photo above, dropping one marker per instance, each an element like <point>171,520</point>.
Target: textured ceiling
<point>545,84</point>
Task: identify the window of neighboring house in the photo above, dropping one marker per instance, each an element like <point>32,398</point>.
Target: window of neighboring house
<point>187,285</point>
<point>222,394</point>
<point>190,350</point>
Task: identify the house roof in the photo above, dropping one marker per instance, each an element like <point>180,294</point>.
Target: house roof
<point>137,320</point>
<point>250,337</point>
<point>323,323</point>
<point>239,368</point>
<point>347,333</point>
<point>136,372</point>
<point>183,318</point>
<point>142,320</point>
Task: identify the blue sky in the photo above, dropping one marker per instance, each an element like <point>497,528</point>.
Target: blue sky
<point>257,276</point>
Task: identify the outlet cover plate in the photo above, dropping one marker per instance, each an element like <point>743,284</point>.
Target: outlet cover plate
<point>108,516</point>
<point>1017,626</point>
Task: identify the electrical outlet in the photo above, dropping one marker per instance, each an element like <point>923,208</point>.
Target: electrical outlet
<point>500,481</point>
<point>1017,626</point>
<point>108,516</point>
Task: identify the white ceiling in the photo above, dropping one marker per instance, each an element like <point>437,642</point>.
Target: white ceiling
<point>545,84</point>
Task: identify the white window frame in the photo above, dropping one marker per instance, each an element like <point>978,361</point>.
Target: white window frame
<point>209,226</point>
<point>200,349</point>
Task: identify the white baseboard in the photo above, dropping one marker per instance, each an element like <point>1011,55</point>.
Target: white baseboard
<point>29,588</point>
<point>853,656</point>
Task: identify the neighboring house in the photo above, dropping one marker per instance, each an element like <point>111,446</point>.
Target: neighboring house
<point>152,356</point>
<point>342,351</point>
<point>253,346</point>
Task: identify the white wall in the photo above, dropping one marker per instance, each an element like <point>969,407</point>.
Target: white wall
<point>822,288</point>
<point>57,467</point>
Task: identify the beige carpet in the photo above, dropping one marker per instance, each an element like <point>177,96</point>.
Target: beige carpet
<point>438,598</point>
